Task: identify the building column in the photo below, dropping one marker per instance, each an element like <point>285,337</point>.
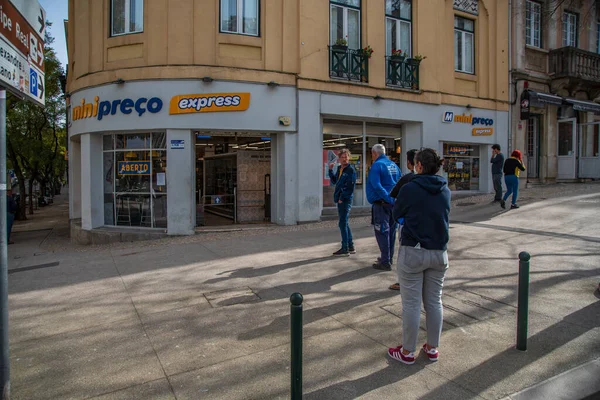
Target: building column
<point>92,200</point>
<point>550,143</point>
<point>284,173</point>
<point>181,182</point>
<point>412,138</point>
<point>74,160</point>
<point>310,159</point>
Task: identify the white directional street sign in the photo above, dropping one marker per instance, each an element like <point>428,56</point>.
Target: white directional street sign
<point>22,30</point>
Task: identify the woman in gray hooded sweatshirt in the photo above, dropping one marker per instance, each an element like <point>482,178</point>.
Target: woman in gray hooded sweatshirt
<point>424,203</point>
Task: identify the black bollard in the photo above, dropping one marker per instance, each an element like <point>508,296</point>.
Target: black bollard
<point>296,342</point>
<point>523,301</point>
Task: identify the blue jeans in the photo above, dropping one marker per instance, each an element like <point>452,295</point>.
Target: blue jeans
<point>10,218</point>
<point>512,186</point>
<point>385,231</point>
<point>343,214</point>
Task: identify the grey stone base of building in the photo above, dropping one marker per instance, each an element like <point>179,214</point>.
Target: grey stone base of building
<point>107,235</point>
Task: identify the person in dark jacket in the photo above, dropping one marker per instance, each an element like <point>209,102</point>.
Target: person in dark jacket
<point>383,176</point>
<point>11,210</point>
<point>345,181</point>
<point>512,167</point>
<point>424,203</point>
<point>497,163</point>
<point>410,164</point>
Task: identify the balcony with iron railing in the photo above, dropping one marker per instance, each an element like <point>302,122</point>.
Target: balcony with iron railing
<point>571,62</point>
<point>402,72</point>
<point>348,64</point>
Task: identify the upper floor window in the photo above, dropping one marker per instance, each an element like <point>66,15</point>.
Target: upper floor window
<point>345,22</point>
<point>398,17</point>
<point>464,45</point>
<point>569,30</point>
<point>533,23</point>
<point>598,37</point>
<point>127,16</point>
<point>240,16</point>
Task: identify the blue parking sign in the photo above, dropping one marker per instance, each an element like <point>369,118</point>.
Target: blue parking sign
<point>33,82</point>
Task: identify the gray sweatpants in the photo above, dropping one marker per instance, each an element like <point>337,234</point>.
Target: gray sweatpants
<point>421,275</point>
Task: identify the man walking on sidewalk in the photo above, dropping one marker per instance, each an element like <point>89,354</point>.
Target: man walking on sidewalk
<point>497,164</point>
<point>344,181</point>
<point>383,176</point>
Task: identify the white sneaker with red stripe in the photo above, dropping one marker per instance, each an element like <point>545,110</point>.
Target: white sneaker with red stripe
<point>432,353</point>
<point>396,354</point>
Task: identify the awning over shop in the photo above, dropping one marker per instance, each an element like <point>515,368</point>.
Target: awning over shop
<point>582,105</point>
<point>545,98</point>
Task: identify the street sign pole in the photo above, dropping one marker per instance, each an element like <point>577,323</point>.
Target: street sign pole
<point>5,366</point>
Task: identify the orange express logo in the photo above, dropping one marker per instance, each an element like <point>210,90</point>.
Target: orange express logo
<point>215,102</point>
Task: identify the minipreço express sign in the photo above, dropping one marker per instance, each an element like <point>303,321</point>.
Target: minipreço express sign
<point>214,102</point>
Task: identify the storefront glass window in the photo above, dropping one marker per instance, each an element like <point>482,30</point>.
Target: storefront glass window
<point>332,144</point>
<point>589,140</point>
<point>109,184</point>
<point>135,184</point>
<point>461,166</point>
<point>359,145</point>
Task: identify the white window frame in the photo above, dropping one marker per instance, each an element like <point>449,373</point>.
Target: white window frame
<point>598,37</point>
<point>569,30</point>
<point>240,19</point>
<point>533,16</point>
<point>345,29</point>
<point>464,34</point>
<point>127,18</point>
<point>399,23</point>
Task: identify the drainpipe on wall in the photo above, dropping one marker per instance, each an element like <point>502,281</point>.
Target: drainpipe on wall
<point>510,83</point>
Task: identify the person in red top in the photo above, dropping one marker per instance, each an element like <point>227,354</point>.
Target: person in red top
<point>512,167</point>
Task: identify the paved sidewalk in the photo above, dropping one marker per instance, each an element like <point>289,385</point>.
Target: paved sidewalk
<point>208,316</point>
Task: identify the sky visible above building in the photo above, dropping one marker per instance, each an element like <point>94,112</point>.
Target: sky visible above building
<point>56,12</point>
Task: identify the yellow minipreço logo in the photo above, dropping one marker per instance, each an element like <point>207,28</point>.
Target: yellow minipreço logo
<point>215,102</point>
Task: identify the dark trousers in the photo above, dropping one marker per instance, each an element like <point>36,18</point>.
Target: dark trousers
<point>343,214</point>
<point>10,218</point>
<point>497,179</point>
<point>385,231</point>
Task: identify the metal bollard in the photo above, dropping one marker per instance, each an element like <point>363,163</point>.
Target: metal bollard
<point>523,301</point>
<point>296,343</point>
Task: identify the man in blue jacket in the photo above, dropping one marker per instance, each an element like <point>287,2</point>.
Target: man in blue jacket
<point>383,176</point>
<point>344,180</point>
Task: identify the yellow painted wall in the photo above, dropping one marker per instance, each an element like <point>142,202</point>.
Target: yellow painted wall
<point>181,39</point>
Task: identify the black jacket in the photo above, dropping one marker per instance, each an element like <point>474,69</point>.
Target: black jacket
<point>511,165</point>
<point>497,162</point>
<point>403,181</point>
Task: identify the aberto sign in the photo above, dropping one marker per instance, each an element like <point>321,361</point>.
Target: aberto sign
<point>22,30</point>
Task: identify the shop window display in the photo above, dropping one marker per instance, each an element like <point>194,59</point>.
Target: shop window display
<point>135,185</point>
<point>332,144</point>
<point>361,160</point>
<point>461,166</point>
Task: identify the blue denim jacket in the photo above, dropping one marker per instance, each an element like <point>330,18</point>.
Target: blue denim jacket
<point>344,186</point>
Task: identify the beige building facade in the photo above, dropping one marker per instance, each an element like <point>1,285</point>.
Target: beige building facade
<point>174,104</point>
<point>555,83</point>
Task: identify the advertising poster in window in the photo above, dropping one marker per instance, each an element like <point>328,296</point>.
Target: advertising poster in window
<point>331,156</point>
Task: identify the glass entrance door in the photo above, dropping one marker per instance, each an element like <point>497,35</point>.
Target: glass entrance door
<point>567,138</point>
